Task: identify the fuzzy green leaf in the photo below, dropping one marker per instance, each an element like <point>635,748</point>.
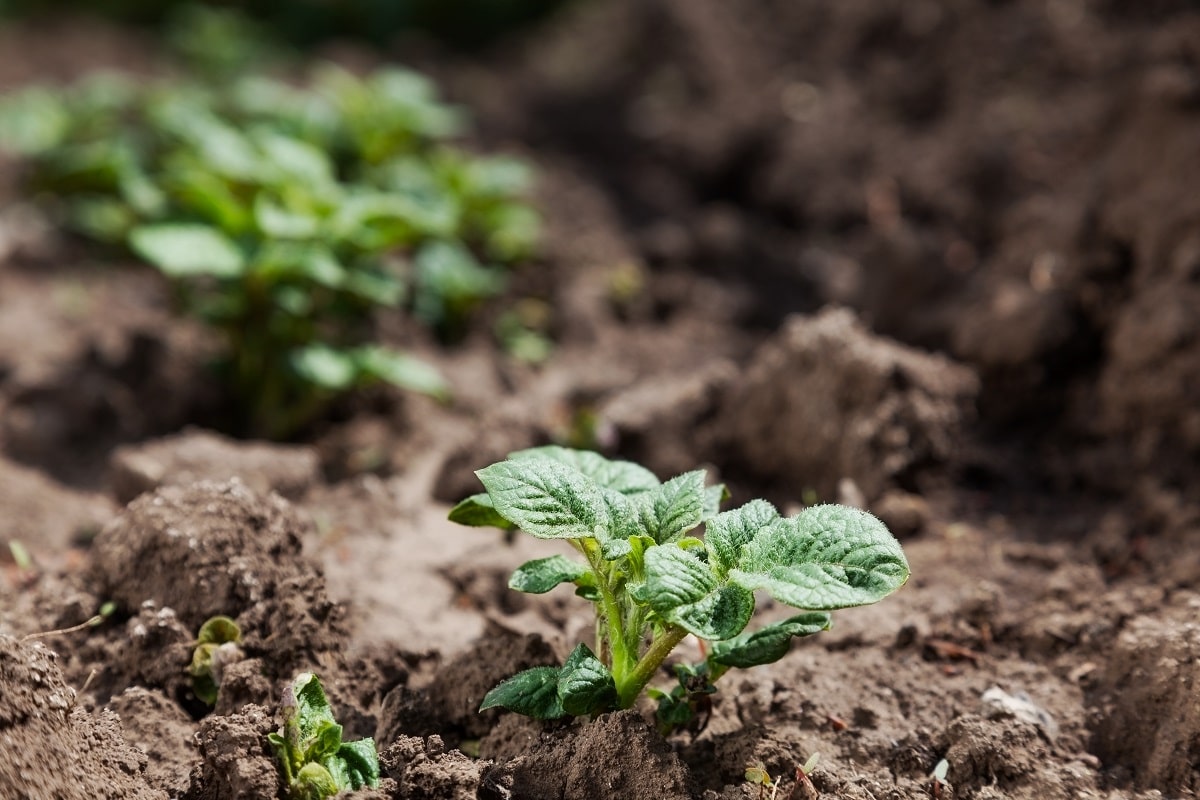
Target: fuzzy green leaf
<point>546,498</point>
<point>728,532</point>
<point>543,574</point>
<point>677,506</point>
<point>533,693</point>
<point>713,497</point>
<point>313,712</point>
<point>621,476</point>
<point>585,686</point>
<point>767,644</point>
<point>184,250</point>
<point>826,557</point>
<point>681,588</point>
<point>478,512</point>
<point>355,765</point>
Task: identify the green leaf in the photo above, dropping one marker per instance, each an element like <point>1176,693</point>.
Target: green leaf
<point>478,512</point>
<point>314,782</point>
<point>402,370</point>
<point>447,275</point>
<point>681,588</point>
<point>677,506</point>
<point>546,499</point>
<point>767,644</point>
<point>324,740</point>
<point>533,693</point>
<point>713,497</point>
<point>357,764</point>
<point>826,557</point>
<point>219,630</point>
<point>104,219</point>
<point>673,711</point>
<point>202,194</point>
<point>294,160</point>
<point>33,121</point>
<point>313,712</point>
<point>276,221</point>
<point>183,250</point>
<point>376,286</point>
<point>621,476</point>
<point>543,574</point>
<point>499,176</point>
<point>585,686</point>
<point>326,367</point>
<point>511,231</point>
<point>728,532</point>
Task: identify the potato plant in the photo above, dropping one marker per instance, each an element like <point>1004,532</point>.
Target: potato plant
<point>285,216</point>
<point>315,762</point>
<point>653,579</point>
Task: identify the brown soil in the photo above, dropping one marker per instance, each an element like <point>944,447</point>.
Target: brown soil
<point>938,259</point>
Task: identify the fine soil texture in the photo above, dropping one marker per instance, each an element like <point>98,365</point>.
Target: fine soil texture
<point>937,259</point>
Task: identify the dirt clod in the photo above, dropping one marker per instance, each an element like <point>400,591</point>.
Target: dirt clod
<point>220,548</point>
<point>617,755</point>
<point>158,727</point>
<point>49,747</point>
<point>197,455</point>
<point>854,405</point>
<point>236,762</point>
<point>1148,698</point>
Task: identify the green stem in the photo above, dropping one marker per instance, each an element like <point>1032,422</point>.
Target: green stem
<point>647,667</point>
<point>622,658</point>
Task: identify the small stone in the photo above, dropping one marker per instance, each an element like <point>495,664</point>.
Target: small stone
<point>998,703</point>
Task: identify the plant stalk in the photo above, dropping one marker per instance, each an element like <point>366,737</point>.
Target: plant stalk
<point>648,665</point>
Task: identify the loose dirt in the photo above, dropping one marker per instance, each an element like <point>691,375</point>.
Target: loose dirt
<point>938,259</point>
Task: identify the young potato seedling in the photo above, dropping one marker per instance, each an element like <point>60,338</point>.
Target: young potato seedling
<point>316,763</point>
<point>759,776</point>
<point>654,580</point>
<point>216,648</point>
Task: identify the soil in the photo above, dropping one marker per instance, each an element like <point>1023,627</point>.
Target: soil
<point>940,260</point>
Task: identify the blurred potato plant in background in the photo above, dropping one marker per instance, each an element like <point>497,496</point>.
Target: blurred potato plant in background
<point>284,214</point>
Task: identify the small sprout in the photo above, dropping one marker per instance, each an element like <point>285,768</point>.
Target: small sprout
<point>758,775</point>
<point>939,777</point>
<point>315,762</point>
<point>804,788</point>
<point>20,555</point>
<point>654,580</point>
<point>106,611</point>
<point>216,648</point>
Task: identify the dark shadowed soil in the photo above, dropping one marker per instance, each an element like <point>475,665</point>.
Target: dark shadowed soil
<point>934,258</point>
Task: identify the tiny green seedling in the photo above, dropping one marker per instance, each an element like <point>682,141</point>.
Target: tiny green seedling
<point>804,784</point>
<point>216,647</point>
<point>654,580</point>
<point>759,776</point>
<point>107,609</point>
<point>20,555</point>
<point>939,777</point>
<point>316,763</point>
